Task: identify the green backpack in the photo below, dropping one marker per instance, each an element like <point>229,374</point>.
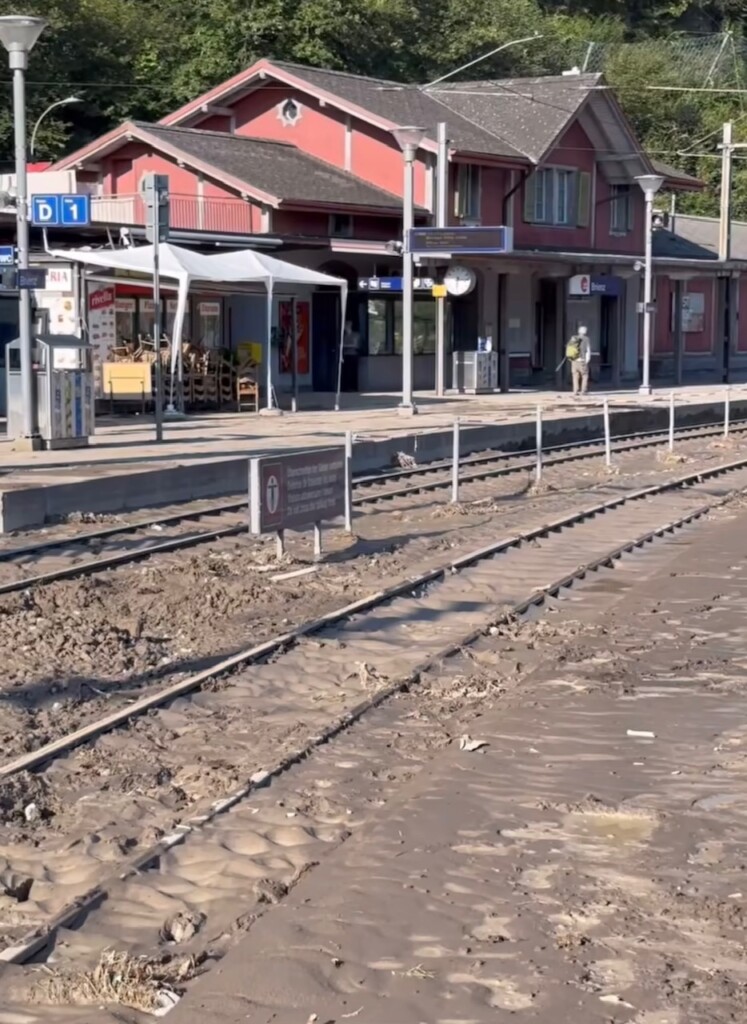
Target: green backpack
<point>573,349</point>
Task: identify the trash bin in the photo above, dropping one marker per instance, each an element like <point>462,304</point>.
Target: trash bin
<point>475,372</point>
<point>62,370</point>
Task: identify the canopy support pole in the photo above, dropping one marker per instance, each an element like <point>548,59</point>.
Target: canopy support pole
<point>270,408</point>
<point>177,353</point>
<point>343,315</point>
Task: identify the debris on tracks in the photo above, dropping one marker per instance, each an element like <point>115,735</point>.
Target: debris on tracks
<point>138,982</point>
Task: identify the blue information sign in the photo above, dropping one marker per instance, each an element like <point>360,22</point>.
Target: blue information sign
<point>7,255</point>
<point>393,284</point>
<point>32,277</point>
<point>61,211</point>
<point>460,240</point>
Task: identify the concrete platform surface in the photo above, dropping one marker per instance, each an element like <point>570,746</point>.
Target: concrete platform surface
<point>205,455</point>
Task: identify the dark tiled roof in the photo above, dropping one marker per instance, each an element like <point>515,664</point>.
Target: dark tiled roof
<point>667,171</point>
<point>702,233</point>
<point>276,168</point>
<point>406,104</point>
<point>668,245</point>
<point>530,113</point>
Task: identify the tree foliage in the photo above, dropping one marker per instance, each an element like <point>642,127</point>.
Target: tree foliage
<point>132,59</point>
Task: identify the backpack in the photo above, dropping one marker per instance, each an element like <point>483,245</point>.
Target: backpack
<point>573,349</point>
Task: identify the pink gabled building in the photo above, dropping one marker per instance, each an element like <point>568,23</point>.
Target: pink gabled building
<point>304,160</point>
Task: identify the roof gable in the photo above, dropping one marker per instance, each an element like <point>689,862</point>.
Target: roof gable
<point>269,171</point>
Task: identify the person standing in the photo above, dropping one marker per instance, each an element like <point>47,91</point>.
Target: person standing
<point>578,354</point>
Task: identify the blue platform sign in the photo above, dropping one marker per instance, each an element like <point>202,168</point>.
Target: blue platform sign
<point>32,277</point>
<point>7,255</point>
<point>460,240</point>
<point>393,284</point>
<point>61,211</point>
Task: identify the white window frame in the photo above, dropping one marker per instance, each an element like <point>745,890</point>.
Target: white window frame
<point>547,208</point>
<point>562,214</point>
<point>621,209</point>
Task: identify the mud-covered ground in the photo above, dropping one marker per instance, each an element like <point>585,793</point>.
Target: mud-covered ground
<point>72,650</point>
<point>586,864</point>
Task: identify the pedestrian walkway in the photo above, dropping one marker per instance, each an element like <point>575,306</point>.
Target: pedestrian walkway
<point>130,441</point>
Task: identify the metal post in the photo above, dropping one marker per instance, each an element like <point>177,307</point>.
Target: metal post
<point>317,542</point>
<point>455,462</point>
<point>280,544</point>
<point>349,481</point>
<point>607,440</point>
<point>30,432</point>
<point>727,403</point>
<point>724,234</point>
<point>442,198</point>
<point>407,405</point>
<point>645,388</point>
<point>157,318</point>
<point>671,421</point>
<point>538,470</point>
<point>294,336</point>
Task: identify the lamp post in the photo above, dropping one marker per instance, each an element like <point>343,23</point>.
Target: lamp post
<point>408,138</point>
<point>18,34</point>
<point>50,108</point>
<point>650,184</point>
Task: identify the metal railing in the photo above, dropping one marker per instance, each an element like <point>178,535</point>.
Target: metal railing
<point>187,213</point>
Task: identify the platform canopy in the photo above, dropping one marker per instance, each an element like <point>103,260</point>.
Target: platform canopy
<point>186,267</point>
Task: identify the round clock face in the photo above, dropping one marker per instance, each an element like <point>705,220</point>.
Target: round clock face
<point>459,280</point>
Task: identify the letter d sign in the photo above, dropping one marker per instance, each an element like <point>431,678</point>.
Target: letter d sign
<point>45,210</point>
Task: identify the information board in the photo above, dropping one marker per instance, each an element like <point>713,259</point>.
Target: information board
<point>289,492</point>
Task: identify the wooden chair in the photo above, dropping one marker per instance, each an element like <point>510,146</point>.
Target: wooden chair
<point>247,389</point>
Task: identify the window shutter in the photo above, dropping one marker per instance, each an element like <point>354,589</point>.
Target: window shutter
<point>530,187</point>
<point>583,202</point>
<point>630,209</point>
<point>550,217</point>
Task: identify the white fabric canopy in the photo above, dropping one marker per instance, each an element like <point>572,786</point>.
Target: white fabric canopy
<point>187,267</point>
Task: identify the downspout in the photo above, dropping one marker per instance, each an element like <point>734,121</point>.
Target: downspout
<point>511,192</point>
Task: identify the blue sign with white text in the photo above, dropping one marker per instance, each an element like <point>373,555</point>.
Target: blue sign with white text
<point>393,284</point>
<point>61,211</point>
<point>7,255</point>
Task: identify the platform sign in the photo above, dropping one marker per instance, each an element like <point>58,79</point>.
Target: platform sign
<point>290,492</point>
<point>393,284</point>
<point>460,241</point>
<point>31,277</point>
<point>61,211</point>
<point>7,255</point>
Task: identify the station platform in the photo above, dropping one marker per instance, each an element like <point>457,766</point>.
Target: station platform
<point>205,456</point>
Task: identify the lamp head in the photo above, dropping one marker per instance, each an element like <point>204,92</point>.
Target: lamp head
<point>18,34</point>
<point>408,138</point>
<point>650,183</point>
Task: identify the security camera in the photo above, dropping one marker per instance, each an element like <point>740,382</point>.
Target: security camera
<point>394,247</point>
<point>638,266</point>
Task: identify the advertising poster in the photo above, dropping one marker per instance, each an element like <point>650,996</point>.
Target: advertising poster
<point>102,327</point>
<point>301,336</point>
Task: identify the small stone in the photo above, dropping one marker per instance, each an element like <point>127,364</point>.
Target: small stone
<point>31,812</point>
<point>268,890</point>
<point>182,927</point>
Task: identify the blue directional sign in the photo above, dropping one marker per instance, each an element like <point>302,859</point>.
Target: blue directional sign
<point>61,211</point>
<point>7,255</point>
<point>393,284</point>
<point>32,277</point>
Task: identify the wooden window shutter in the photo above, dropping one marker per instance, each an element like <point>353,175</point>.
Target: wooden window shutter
<point>530,189</point>
<point>583,199</point>
<point>574,198</point>
<point>630,209</point>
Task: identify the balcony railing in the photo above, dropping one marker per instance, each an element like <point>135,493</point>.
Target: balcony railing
<point>186,213</point>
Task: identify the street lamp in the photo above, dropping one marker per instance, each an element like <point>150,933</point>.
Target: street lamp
<point>408,138</point>
<point>18,34</point>
<point>650,184</point>
<point>50,108</point>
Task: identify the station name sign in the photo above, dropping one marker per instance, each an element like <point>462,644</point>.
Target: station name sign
<point>460,241</point>
<point>590,284</point>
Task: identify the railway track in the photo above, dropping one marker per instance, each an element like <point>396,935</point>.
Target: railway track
<point>388,639</point>
<point>369,490</point>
